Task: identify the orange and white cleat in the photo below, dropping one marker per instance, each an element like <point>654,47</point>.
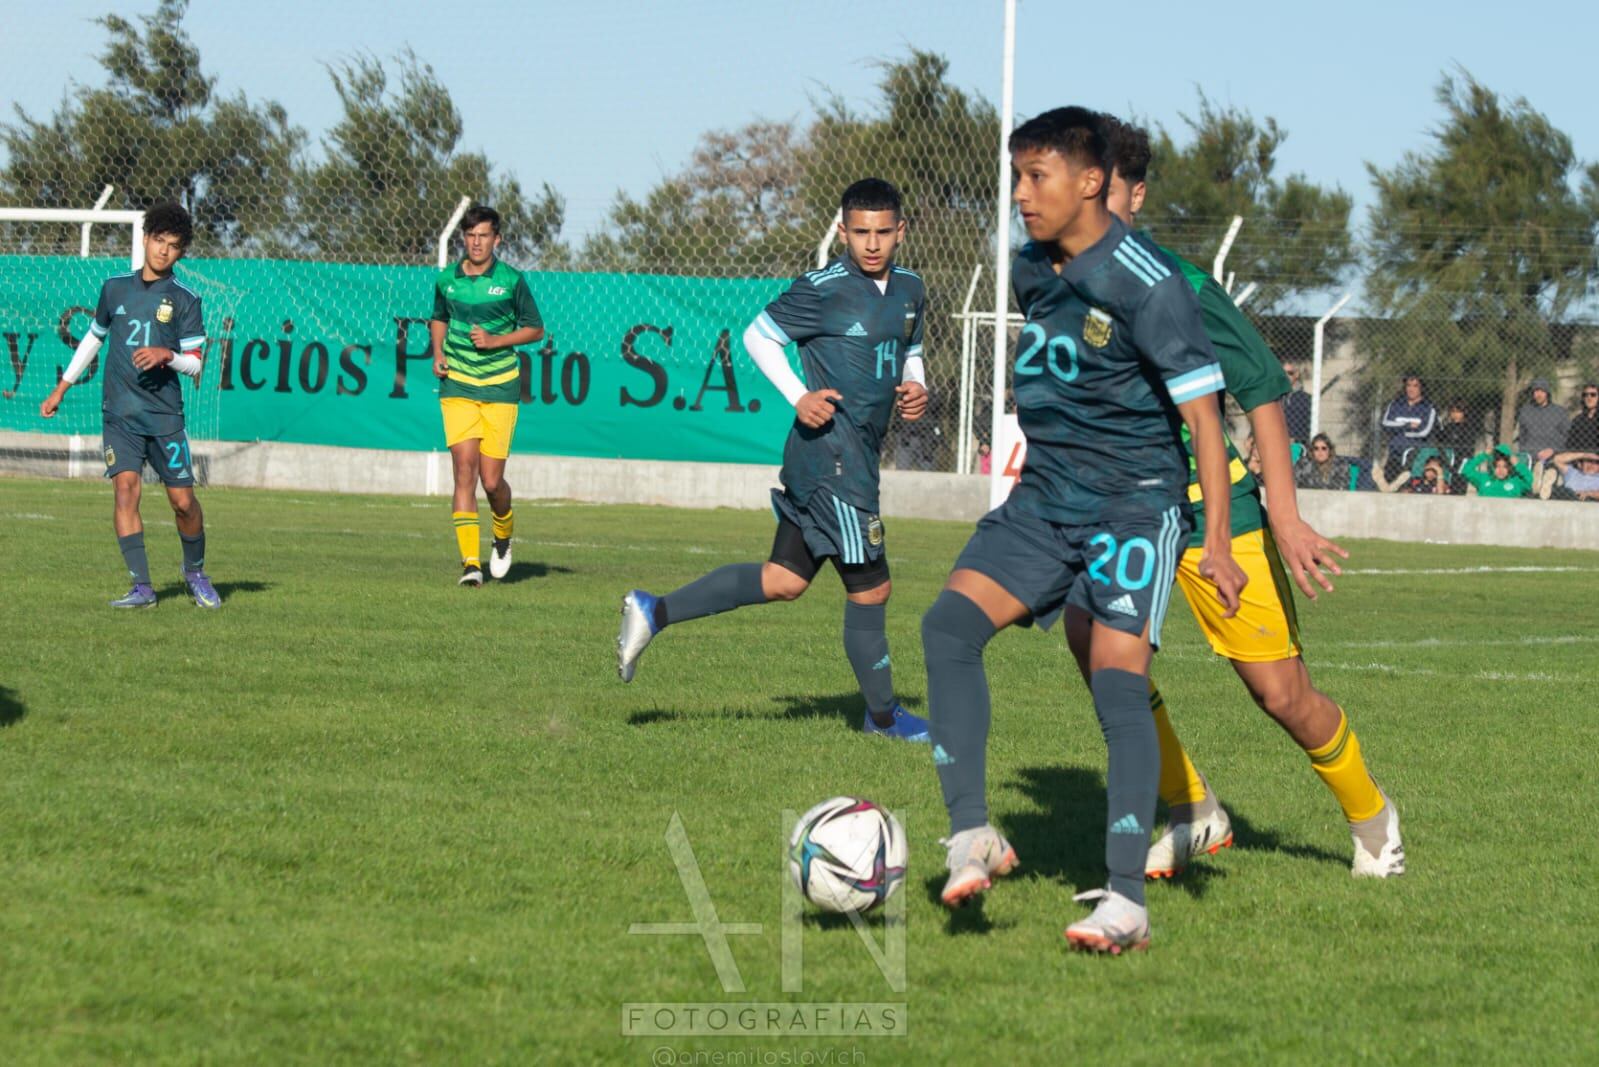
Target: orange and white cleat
<point>975,857</point>
<point>1117,925</point>
<point>1182,841</point>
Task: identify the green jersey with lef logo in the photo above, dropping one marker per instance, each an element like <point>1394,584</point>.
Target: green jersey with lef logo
<point>497,300</point>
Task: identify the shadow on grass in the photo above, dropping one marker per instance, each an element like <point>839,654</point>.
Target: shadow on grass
<point>1065,839</point>
<point>226,590</point>
<point>12,709</point>
<point>847,708</point>
<point>521,572</point>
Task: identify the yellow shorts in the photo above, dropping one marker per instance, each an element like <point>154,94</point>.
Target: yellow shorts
<point>493,424</point>
<point>1266,629</point>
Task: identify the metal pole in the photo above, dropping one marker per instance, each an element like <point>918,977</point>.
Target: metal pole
<point>1226,246</point>
<point>449,228</point>
<point>1315,364</point>
<point>1243,296</point>
<point>963,447</point>
<point>83,245</point>
<point>825,245</point>
<point>1007,117</point>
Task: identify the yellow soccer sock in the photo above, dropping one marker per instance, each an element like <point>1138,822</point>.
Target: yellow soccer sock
<point>1341,769</point>
<point>1180,782</point>
<point>504,524</point>
<point>468,537</point>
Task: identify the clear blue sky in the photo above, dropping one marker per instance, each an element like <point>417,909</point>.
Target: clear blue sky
<point>598,95</point>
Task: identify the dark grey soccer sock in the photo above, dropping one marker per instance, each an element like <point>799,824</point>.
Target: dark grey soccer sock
<point>193,552</point>
<point>866,645</point>
<point>954,631</point>
<point>1132,780</point>
<point>724,589</point>
<point>132,547</point>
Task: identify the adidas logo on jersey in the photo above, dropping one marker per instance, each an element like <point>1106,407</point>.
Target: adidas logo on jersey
<point>1127,824</point>
<point>1123,604</point>
<point>120,310</point>
<point>856,330</point>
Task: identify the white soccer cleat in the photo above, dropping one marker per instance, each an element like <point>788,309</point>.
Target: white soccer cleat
<point>975,856</point>
<point>1390,859</point>
<point>638,629</point>
<point>1117,925</point>
<point>1205,836</point>
<point>500,558</point>
<point>471,576</point>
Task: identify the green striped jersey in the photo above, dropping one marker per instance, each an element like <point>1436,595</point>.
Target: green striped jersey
<point>1253,377</point>
<point>497,300</point>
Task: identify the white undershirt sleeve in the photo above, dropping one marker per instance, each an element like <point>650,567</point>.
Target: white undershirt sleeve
<point>81,358</point>
<point>915,372</point>
<point>770,358</point>
<point>184,363</point>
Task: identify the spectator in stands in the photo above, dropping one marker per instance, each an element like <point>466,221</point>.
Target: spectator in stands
<point>985,458</point>
<point>1296,405</point>
<point>1497,474</point>
<point>1434,478</point>
<point>1454,433</point>
<point>1321,467</point>
<point>1583,435</point>
<point>1571,476</point>
<point>1410,419</point>
<point>1543,426</point>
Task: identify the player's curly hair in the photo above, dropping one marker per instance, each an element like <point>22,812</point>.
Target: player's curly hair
<point>171,219</point>
<point>1127,148</point>
<point>871,194</point>
<point>1073,132</point>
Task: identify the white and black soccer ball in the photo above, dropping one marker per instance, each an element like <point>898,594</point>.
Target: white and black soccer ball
<point>847,854</point>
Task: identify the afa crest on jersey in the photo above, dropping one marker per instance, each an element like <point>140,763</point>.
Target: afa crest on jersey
<point>910,324</point>
<point>163,314</point>
<point>1096,328</point>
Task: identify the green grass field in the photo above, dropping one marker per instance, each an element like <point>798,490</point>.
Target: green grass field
<point>360,815</point>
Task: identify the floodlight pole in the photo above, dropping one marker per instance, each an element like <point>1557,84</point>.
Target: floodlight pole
<point>83,244</point>
<point>824,247</point>
<point>1226,246</point>
<point>449,228</point>
<point>1007,109</point>
<point>1315,363</point>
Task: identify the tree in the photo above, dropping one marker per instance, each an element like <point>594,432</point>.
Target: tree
<point>393,173</point>
<point>735,211</point>
<point>1295,235</point>
<point>1481,245</point>
<point>158,131</point>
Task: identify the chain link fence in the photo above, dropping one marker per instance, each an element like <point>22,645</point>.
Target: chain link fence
<point>377,193</point>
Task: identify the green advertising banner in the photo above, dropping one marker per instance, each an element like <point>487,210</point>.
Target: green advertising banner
<point>631,366</point>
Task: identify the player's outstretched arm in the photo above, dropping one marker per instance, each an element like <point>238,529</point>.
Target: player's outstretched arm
<point>1305,551</point>
<point>1203,418</point>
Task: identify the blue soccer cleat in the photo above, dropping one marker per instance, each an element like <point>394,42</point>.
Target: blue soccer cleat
<point>638,629</point>
<point>140,596</point>
<point>906,727</point>
<point>200,587</point>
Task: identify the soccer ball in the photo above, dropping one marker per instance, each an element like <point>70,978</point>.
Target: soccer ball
<point>847,854</point>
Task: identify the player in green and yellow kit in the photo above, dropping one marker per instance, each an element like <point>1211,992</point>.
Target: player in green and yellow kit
<point>482,310</point>
<point>1262,639</point>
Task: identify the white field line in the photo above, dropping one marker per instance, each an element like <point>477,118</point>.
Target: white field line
<point>1361,571</point>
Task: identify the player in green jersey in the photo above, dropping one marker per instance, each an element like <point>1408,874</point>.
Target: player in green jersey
<point>482,310</point>
<point>1262,639</point>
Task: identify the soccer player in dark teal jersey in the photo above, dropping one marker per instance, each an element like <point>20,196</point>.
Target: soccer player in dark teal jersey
<point>154,330</point>
<point>858,324</point>
<point>1111,364</point>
